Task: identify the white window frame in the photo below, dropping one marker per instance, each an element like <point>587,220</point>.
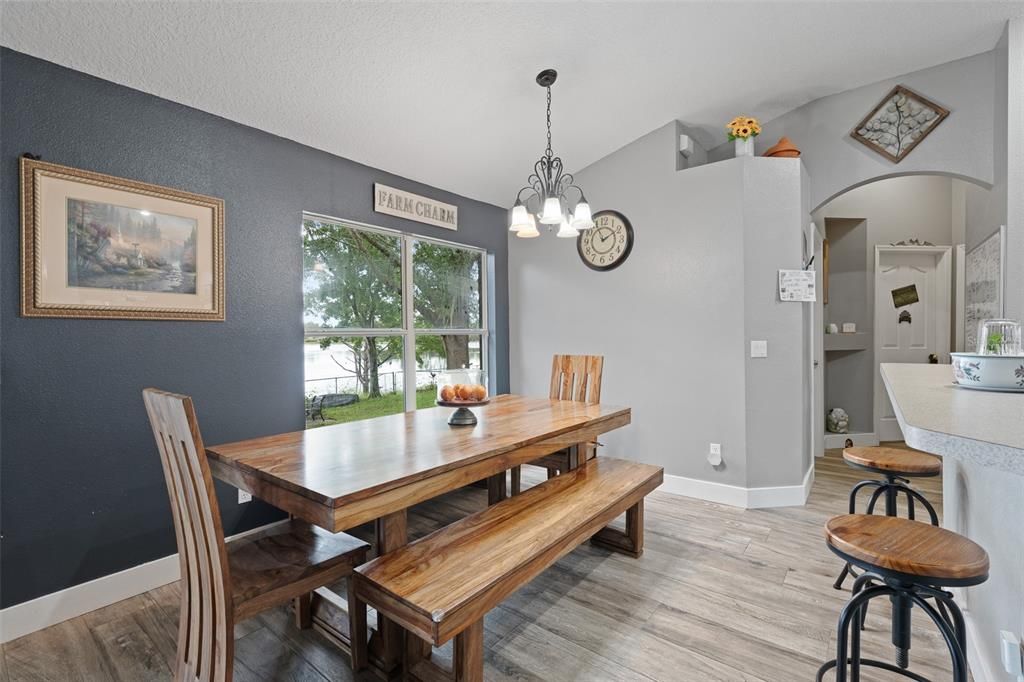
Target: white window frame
<point>408,331</point>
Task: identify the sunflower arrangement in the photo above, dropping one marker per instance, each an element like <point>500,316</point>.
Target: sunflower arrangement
<point>743,128</point>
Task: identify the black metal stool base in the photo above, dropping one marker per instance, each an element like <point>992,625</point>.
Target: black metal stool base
<point>904,596</point>
<point>873,664</point>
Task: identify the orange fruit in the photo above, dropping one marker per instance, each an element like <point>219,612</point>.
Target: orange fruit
<point>447,393</point>
<point>479,392</point>
<point>465,392</point>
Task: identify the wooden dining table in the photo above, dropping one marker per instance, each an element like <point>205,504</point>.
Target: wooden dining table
<point>344,475</point>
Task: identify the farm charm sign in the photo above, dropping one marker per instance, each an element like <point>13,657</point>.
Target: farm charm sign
<point>414,207</point>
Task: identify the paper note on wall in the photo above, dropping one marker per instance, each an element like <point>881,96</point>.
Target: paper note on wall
<point>797,285</point>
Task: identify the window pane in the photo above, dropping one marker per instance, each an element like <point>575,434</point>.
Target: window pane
<point>435,354</point>
<point>446,283</point>
<point>351,278</point>
<point>353,377</point>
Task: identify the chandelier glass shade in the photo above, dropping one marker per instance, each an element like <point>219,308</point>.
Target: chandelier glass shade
<point>551,196</point>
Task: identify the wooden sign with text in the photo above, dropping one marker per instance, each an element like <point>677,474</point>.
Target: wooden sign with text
<point>414,207</point>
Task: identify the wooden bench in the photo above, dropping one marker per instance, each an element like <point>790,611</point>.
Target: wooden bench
<point>442,585</point>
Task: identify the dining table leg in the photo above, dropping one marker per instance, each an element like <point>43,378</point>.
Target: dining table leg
<point>387,642</point>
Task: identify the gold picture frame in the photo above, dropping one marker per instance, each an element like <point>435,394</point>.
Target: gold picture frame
<point>100,246</point>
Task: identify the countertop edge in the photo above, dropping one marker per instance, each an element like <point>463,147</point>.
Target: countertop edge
<point>951,445</point>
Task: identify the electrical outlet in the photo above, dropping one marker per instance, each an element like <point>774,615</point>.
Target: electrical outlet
<point>1013,659</point>
<point>758,349</point>
<point>715,454</point>
<point>244,497</point>
<point>716,448</point>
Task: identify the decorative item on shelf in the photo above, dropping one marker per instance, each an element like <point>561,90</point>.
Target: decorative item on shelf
<point>898,123</point>
<point>549,190</point>
<point>832,328</point>
<point>609,244</point>
<point>912,242</point>
<point>742,130</point>
<point>784,148</point>
<point>99,246</point>
<point>849,327</point>
<point>837,421</point>
<point>462,388</point>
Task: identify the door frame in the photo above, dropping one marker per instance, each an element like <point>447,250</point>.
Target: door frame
<point>943,268</point>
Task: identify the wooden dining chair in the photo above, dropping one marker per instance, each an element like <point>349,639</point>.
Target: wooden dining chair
<point>573,377</point>
<point>226,582</point>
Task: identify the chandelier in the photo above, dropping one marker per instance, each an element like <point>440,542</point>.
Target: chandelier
<point>549,189</point>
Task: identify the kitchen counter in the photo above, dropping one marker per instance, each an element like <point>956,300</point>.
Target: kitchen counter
<point>980,437</point>
<point>936,416</point>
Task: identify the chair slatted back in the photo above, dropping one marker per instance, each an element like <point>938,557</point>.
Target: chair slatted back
<point>577,377</point>
<point>206,623</point>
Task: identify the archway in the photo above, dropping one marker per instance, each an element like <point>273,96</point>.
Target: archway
<point>934,208</point>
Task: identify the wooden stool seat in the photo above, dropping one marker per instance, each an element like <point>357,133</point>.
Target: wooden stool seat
<point>287,560</point>
<point>935,555</point>
<point>894,461</point>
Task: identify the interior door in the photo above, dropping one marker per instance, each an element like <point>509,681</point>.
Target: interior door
<point>907,331</point>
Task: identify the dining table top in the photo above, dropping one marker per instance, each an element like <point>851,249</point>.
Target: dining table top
<point>342,463</point>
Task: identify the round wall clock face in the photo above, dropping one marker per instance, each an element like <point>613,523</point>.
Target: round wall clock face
<point>607,244</point>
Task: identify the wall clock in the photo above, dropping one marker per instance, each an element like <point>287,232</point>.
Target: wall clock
<point>607,244</point>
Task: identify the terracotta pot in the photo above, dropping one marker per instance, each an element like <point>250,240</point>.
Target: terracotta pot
<point>783,148</point>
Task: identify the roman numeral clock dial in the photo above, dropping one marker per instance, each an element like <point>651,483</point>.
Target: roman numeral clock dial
<point>607,244</point>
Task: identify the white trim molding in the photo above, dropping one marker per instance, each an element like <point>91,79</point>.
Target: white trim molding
<point>735,496</point>
<point>42,612</point>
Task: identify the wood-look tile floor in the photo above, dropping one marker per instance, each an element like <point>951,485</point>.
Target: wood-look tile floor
<point>719,594</point>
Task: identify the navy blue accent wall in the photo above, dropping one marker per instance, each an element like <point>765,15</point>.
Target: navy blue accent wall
<point>81,490</point>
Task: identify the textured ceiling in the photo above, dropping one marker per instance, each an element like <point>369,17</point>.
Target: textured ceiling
<point>444,93</point>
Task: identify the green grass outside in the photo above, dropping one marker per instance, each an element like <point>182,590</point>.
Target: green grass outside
<point>366,408</point>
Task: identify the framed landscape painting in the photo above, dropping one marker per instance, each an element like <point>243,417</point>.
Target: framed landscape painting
<point>99,246</point>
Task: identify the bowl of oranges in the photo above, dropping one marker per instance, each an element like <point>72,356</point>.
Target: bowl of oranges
<point>462,389</point>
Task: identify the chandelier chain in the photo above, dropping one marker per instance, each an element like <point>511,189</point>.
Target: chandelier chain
<point>549,152</point>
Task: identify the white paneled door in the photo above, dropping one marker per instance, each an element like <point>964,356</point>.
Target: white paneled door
<point>908,330</point>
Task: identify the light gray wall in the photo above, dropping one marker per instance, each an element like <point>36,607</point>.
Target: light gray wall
<point>774,218</point>
<point>962,145</point>
<point>671,322</point>
<point>989,503</point>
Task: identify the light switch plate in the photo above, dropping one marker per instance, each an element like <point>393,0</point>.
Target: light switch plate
<point>758,349</point>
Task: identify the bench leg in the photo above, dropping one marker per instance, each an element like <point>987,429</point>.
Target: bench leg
<point>631,542</point>
<point>304,611</point>
<point>517,480</point>
<point>469,654</point>
<point>496,489</point>
<point>356,628</point>
<point>392,533</point>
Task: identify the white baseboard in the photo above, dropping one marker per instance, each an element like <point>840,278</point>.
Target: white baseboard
<point>838,440</point>
<point>42,612</point>
<point>981,667</point>
<point>735,496</point>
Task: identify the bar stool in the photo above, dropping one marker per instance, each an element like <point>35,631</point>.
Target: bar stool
<point>897,466</point>
<point>910,563</point>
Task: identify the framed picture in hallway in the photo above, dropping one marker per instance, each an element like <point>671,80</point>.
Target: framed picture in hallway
<point>99,246</point>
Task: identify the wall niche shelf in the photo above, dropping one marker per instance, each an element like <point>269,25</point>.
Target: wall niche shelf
<point>847,342</point>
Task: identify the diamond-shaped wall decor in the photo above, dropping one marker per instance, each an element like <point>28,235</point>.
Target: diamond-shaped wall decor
<point>898,124</point>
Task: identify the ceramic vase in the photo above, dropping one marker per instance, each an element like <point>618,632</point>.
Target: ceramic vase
<point>744,147</point>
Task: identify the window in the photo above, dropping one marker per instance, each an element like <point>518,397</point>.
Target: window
<point>384,312</point>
